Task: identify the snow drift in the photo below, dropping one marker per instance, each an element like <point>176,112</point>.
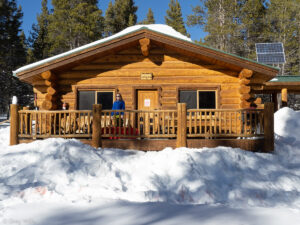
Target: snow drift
<point>67,170</point>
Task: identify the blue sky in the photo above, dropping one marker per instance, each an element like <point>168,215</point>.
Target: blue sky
<point>33,7</point>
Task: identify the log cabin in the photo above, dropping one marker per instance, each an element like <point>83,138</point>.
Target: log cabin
<point>155,69</point>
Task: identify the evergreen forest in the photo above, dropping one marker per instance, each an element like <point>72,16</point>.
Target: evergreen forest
<point>232,26</point>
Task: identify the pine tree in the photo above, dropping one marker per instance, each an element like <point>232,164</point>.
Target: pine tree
<point>119,16</point>
<point>284,25</point>
<point>149,19</point>
<point>38,40</point>
<point>253,20</point>
<point>109,20</point>
<point>74,23</point>
<point>174,17</point>
<point>221,19</point>
<point>12,54</point>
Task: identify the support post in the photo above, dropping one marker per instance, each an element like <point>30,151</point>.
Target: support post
<point>181,125</point>
<point>269,127</point>
<point>275,101</point>
<point>96,135</point>
<point>284,97</point>
<point>14,124</point>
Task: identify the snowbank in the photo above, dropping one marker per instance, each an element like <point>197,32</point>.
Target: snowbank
<point>69,171</point>
<point>287,136</point>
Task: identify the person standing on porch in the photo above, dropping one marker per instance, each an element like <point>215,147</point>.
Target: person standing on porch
<point>119,104</point>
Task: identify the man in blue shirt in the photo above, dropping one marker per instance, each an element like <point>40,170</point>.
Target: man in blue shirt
<point>119,104</point>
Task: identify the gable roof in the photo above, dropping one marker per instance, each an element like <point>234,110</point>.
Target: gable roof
<point>158,33</point>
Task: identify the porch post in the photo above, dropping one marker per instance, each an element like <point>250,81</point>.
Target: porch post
<point>181,125</point>
<point>269,127</point>
<point>14,124</point>
<point>96,135</point>
<point>284,97</point>
<point>275,101</point>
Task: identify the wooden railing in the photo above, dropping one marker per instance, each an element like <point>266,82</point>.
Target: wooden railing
<point>143,124</point>
<point>66,124</point>
<point>224,123</point>
<point>137,123</point>
<point>181,124</point>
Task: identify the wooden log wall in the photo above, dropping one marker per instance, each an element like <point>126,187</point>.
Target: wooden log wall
<point>245,89</point>
<point>171,72</point>
<point>51,100</point>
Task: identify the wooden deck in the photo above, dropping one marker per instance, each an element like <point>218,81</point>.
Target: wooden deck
<point>173,128</point>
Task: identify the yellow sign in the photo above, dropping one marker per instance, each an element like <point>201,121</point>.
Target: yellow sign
<point>146,76</point>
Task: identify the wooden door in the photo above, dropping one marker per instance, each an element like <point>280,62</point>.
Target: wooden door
<point>147,100</point>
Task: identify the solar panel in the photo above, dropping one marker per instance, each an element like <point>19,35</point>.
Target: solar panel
<point>270,53</point>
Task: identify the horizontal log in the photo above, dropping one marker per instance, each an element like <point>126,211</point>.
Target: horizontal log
<point>244,105</point>
<point>47,75</point>
<point>244,81</point>
<point>49,83</point>
<point>245,73</point>
<point>121,81</point>
<point>147,65</point>
<point>47,105</point>
<point>230,93</point>
<point>244,89</point>
<point>51,98</point>
<point>152,57</point>
<point>156,71</point>
<point>230,100</point>
<point>245,97</point>
<point>40,89</point>
<point>230,106</point>
<point>225,87</point>
<point>169,94</point>
<point>51,91</point>
<point>154,51</point>
<point>184,82</point>
<point>258,101</point>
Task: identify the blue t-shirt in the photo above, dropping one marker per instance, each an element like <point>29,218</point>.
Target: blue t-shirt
<point>118,105</point>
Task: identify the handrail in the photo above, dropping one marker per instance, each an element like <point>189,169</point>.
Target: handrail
<point>141,123</point>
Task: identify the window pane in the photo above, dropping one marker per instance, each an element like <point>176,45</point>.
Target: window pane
<point>86,99</point>
<point>106,99</point>
<point>207,99</point>
<point>188,97</point>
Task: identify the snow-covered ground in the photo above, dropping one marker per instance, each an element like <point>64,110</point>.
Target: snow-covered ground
<point>58,181</point>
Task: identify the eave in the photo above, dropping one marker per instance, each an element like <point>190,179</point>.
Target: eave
<point>132,39</point>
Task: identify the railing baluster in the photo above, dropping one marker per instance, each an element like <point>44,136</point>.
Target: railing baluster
<point>230,120</point>
<point>251,125</point>
<point>210,122</point>
<point>124,124</point>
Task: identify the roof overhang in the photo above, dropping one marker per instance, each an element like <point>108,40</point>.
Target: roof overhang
<point>92,51</point>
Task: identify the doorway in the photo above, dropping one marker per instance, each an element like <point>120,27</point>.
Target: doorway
<point>147,99</point>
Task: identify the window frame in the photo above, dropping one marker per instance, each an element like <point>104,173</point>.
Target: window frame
<point>215,89</point>
<point>104,90</point>
<point>95,89</point>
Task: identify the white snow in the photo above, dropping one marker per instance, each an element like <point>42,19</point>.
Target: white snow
<point>160,28</point>
<point>59,181</point>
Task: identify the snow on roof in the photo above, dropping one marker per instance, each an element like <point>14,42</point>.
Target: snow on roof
<point>161,28</point>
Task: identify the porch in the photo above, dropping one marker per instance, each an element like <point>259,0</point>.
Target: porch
<point>149,130</point>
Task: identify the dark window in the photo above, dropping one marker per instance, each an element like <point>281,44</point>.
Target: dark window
<point>86,99</point>
<point>106,99</point>
<point>188,97</point>
<point>207,99</point>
